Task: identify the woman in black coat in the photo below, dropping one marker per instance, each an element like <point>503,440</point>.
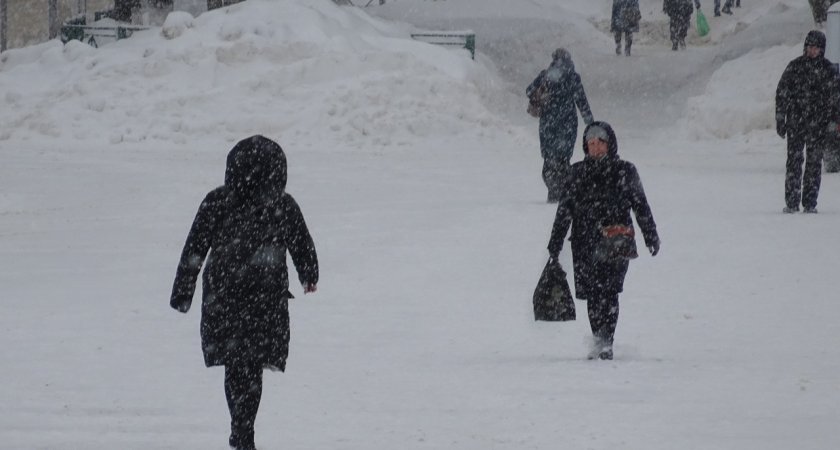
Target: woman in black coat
<point>564,96</point>
<point>625,20</point>
<point>246,225</point>
<point>601,192</point>
<point>679,11</point>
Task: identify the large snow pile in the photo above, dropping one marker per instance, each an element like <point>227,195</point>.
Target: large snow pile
<point>278,67</point>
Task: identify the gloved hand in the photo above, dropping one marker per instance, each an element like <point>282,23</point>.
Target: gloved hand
<point>653,248</point>
<point>181,303</point>
<point>781,127</point>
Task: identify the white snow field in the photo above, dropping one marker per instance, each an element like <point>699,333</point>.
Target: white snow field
<point>418,172</point>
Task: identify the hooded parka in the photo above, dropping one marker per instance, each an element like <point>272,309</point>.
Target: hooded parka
<point>807,95</point>
<point>600,192</point>
<point>246,225</point>
<point>559,121</point>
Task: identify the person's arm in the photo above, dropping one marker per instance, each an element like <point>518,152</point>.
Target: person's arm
<point>581,101</point>
<point>783,94</point>
<point>641,208</point>
<point>193,254</point>
<point>562,221</point>
<point>301,246</point>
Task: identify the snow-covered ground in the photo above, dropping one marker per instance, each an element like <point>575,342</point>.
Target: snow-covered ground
<point>418,172</point>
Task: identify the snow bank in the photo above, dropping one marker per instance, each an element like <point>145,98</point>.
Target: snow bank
<point>278,67</point>
<point>740,96</point>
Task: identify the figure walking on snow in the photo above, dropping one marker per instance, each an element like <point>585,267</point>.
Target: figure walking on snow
<point>679,12</point>
<point>601,192</point>
<point>247,225</point>
<point>806,111</point>
<point>563,96</point>
<point>625,20</point>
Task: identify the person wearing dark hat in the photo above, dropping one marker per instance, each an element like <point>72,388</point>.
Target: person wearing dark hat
<point>247,226</point>
<point>563,96</point>
<point>806,111</point>
<point>601,192</point>
<point>624,20</point>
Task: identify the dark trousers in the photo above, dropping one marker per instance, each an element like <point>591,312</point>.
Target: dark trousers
<point>679,29</point>
<point>628,41</point>
<point>809,148</point>
<point>243,390</point>
<point>554,173</point>
<point>726,6</point>
<point>603,317</point>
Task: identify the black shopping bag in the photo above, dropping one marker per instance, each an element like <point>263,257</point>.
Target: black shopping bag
<point>553,300</point>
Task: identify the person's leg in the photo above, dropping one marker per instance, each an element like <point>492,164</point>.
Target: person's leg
<point>555,172</point>
<point>628,41</point>
<point>603,319</point>
<point>243,390</point>
<point>813,174</point>
<point>618,42</point>
<point>793,171</point>
<point>674,29</point>
<point>727,7</point>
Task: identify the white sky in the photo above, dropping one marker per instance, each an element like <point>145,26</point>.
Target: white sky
<point>418,172</point>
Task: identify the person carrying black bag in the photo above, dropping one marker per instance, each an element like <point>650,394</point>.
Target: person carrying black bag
<point>601,192</point>
<point>247,226</point>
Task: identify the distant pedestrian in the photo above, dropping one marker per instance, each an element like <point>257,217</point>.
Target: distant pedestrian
<point>679,11</point>
<point>601,192</point>
<point>563,94</point>
<point>806,111</point>
<point>246,225</point>
<point>625,20</point>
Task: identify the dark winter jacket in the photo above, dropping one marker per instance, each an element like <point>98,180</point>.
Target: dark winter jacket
<point>807,96</point>
<point>681,9</point>
<point>247,226</point>
<point>621,20</point>
<point>559,122</point>
<point>600,192</point>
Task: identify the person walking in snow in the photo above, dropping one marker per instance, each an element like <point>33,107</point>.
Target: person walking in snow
<point>679,12</point>
<point>727,7</point>
<point>601,192</point>
<point>819,8</point>
<point>625,20</point>
<point>562,96</point>
<point>246,225</point>
<point>806,111</point>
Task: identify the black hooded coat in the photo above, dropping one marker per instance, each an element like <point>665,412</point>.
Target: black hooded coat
<point>600,192</point>
<point>559,121</point>
<point>808,93</point>
<point>246,225</point>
